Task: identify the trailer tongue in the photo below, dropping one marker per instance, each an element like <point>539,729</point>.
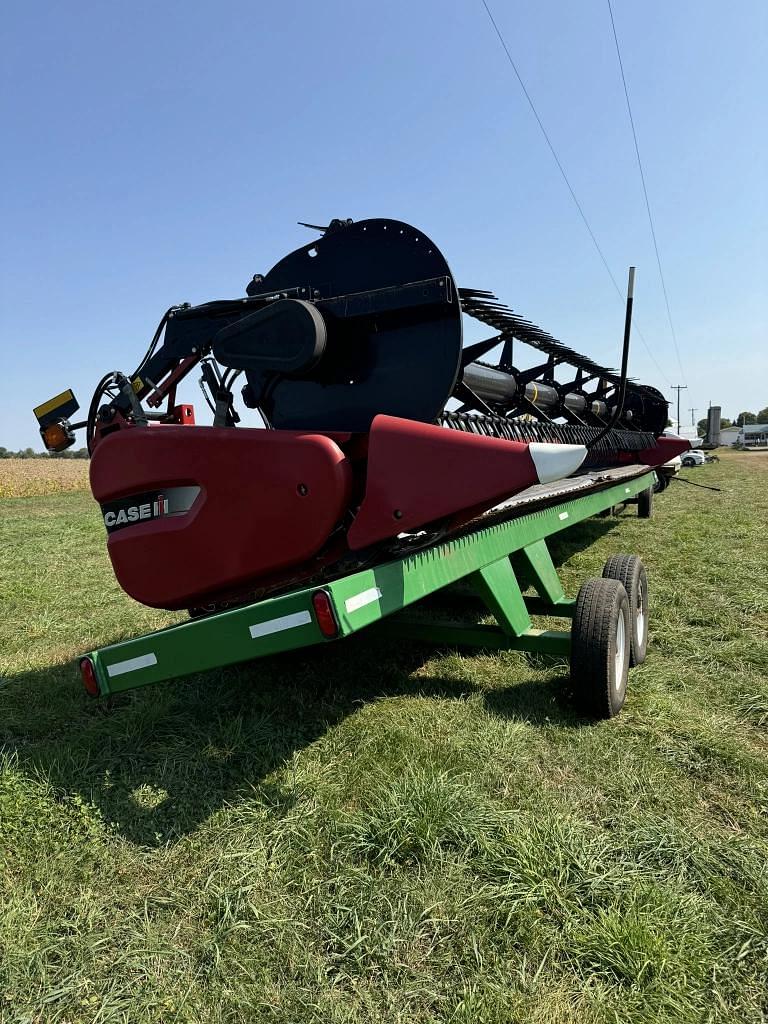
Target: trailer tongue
<point>382,430</point>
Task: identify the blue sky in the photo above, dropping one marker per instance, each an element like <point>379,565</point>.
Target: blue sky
<point>157,153</point>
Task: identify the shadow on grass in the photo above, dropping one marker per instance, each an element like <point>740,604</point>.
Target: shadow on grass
<point>157,762</point>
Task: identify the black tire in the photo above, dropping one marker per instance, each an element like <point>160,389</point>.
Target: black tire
<point>662,482</point>
<point>630,572</point>
<point>688,462</point>
<point>600,648</point>
<point>645,503</point>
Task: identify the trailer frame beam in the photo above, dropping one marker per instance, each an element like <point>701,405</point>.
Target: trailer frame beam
<point>499,560</point>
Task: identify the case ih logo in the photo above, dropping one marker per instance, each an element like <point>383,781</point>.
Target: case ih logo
<point>138,508</point>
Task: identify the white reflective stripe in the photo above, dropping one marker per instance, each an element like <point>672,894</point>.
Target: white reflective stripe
<point>563,515</point>
<point>278,625</point>
<point>131,665</point>
<point>362,599</point>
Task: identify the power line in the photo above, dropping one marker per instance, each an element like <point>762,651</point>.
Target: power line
<point>645,192</point>
<point>568,184</point>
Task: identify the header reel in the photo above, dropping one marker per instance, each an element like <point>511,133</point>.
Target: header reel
<point>366,320</point>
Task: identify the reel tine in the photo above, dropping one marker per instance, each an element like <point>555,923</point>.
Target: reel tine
<point>488,309</point>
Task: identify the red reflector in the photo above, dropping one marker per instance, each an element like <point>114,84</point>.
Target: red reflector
<point>326,619</point>
<point>90,682</point>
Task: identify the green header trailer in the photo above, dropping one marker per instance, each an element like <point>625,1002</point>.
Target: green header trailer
<point>501,555</point>
<point>396,457</point>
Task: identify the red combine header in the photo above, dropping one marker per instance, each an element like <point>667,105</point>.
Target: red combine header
<point>382,432</point>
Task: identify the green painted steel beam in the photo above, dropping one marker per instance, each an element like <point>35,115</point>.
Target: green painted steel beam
<point>542,572</point>
<point>358,600</point>
<point>491,638</point>
<point>255,630</point>
<point>385,589</point>
<point>563,609</point>
<point>497,586</point>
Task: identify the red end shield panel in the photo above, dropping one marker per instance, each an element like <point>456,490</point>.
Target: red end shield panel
<point>268,500</point>
<point>419,473</point>
<point>667,447</point>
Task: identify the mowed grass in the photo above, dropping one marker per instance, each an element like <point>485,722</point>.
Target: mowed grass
<point>23,478</point>
<point>374,832</point>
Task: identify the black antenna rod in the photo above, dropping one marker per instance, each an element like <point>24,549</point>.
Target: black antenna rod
<point>618,409</point>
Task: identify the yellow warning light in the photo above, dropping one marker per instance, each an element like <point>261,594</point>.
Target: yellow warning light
<point>57,437</point>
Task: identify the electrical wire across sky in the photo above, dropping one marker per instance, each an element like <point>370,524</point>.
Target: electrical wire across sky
<point>575,199</point>
<point>645,194</point>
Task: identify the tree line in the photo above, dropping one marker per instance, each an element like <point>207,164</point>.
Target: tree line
<point>30,453</point>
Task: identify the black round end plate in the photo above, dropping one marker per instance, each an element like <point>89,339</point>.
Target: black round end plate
<point>402,363</point>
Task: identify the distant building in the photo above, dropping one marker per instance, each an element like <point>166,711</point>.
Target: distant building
<point>754,435</point>
<point>729,435</point>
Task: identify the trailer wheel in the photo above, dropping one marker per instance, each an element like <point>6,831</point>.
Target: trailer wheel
<point>645,503</point>
<point>600,640</point>
<point>630,571</point>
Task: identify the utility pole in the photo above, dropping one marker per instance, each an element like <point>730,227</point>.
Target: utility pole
<point>678,388</point>
<point>693,412</point>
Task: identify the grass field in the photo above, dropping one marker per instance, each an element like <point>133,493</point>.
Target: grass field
<point>379,833</point>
